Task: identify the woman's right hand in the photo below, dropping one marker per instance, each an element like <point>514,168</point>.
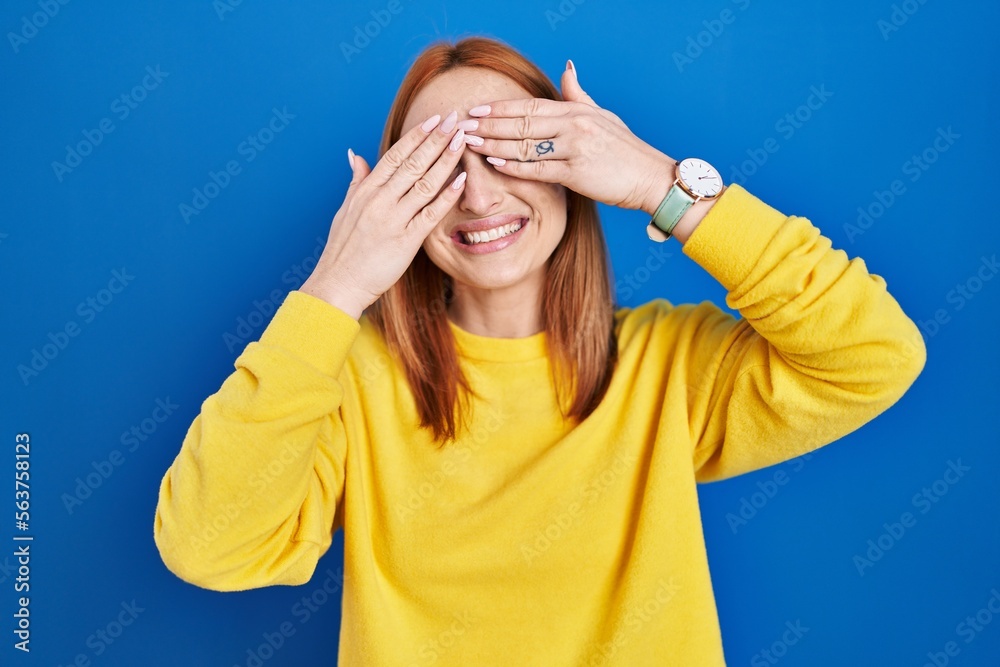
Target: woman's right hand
<point>386,215</point>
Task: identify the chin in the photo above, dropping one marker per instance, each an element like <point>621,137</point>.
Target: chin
<point>489,280</point>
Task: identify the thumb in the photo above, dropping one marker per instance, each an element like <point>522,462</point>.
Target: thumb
<point>571,89</point>
<point>359,168</point>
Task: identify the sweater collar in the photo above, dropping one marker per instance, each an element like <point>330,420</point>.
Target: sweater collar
<point>487,348</point>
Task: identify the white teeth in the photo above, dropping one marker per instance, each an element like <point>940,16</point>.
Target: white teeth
<point>490,235</point>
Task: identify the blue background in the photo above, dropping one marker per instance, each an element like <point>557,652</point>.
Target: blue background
<point>61,236</point>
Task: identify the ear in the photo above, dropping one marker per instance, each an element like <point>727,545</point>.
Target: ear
<point>571,90</point>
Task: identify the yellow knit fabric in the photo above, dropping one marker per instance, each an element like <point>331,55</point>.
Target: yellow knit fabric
<point>534,541</point>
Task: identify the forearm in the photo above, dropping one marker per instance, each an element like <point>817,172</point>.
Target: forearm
<point>822,346</point>
<point>249,499</point>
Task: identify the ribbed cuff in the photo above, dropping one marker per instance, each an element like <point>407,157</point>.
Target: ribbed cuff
<point>733,235</point>
<point>316,331</point>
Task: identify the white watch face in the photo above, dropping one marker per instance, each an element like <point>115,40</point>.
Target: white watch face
<point>700,177</point>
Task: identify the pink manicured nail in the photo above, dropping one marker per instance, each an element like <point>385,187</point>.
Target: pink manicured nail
<point>473,140</point>
<point>498,161</point>
<point>431,123</point>
<point>470,125</point>
<point>571,66</point>
<point>350,157</point>
<point>457,140</point>
<point>449,122</point>
<point>481,110</point>
<point>458,181</point>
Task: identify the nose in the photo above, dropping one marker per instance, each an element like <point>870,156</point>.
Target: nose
<point>484,186</point>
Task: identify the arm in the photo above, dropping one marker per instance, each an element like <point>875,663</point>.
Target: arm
<point>251,498</point>
<point>821,347</point>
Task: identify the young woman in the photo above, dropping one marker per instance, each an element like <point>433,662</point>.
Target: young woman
<point>513,457</point>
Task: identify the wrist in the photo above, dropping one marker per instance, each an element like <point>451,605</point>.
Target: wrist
<point>334,294</point>
<point>664,176</point>
<point>693,217</point>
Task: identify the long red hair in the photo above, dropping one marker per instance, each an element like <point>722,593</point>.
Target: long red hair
<point>578,304</point>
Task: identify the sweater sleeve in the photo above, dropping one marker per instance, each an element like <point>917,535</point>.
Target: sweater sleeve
<point>820,349</point>
<point>252,498</point>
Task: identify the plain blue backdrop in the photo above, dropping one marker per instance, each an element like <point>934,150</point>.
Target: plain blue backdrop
<point>93,184</point>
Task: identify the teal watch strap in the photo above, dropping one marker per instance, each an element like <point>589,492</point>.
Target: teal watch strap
<point>672,208</point>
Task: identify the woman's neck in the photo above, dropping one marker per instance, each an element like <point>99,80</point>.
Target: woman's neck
<point>509,312</point>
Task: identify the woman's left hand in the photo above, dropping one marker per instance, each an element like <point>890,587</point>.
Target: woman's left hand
<point>573,142</point>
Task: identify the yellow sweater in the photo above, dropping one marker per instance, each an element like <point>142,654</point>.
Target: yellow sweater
<point>531,541</point>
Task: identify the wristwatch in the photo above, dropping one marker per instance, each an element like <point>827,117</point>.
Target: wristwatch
<point>694,180</point>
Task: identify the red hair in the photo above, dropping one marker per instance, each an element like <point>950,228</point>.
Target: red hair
<point>578,305</point>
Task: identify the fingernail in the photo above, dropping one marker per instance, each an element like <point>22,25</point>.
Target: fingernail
<point>571,66</point>
<point>470,125</point>
<point>473,140</point>
<point>449,122</point>
<point>457,140</point>
<point>498,161</point>
<point>350,157</point>
<point>458,181</point>
<point>481,110</point>
<point>431,123</point>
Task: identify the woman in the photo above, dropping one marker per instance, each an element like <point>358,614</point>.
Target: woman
<point>513,457</point>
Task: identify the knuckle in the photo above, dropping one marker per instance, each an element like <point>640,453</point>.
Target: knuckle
<point>427,216</point>
<point>392,159</point>
<point>534,106</point>
<point>411,167</point>
<point>583,124</point>
<point>523,127</point>
<point>424,188</point>
<point>525,149</point>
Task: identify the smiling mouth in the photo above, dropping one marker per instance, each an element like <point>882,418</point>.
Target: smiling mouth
<point>477,238</point>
